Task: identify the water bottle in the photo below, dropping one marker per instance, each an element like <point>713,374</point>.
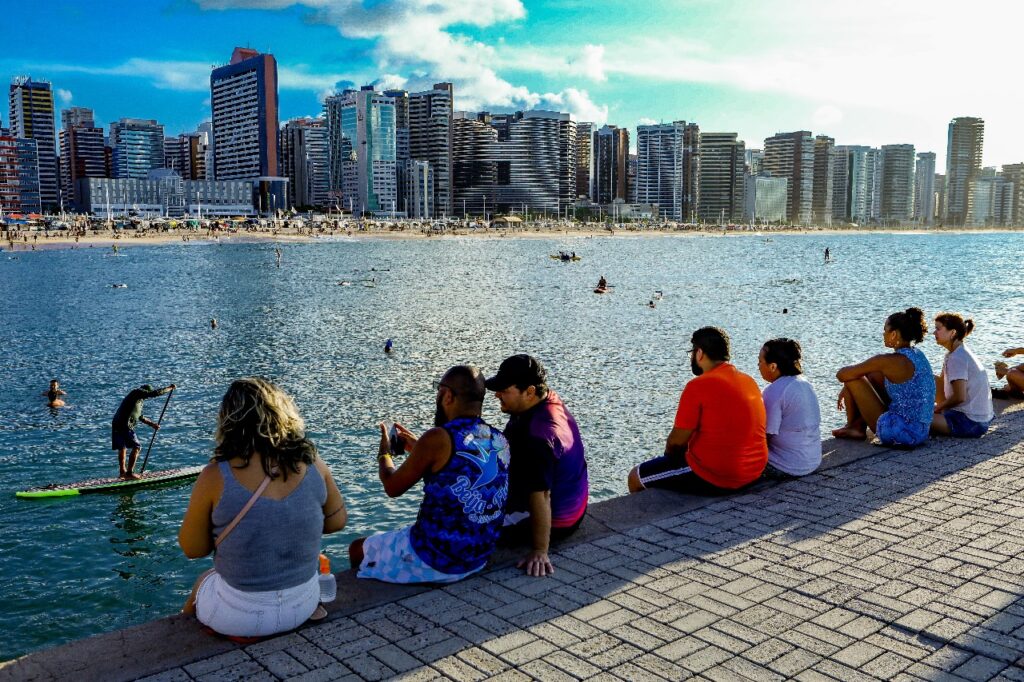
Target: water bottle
<point>328,584</point>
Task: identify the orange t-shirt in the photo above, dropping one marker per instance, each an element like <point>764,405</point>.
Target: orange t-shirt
<point>725,411</point>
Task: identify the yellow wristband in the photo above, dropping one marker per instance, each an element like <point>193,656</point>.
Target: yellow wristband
<point>380,458</point>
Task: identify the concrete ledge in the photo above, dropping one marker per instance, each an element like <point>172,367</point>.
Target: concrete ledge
<point>176,641</point>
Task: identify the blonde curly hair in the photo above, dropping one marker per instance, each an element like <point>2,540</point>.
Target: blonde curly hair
<point>258,417</point>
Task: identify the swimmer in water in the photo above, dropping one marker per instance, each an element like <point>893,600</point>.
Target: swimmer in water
<point>213,323</point>
<point>277,250</point>
<point>388,345</point>
<point>114,246</point>
<point>53,394</point>
<point>828,255</point>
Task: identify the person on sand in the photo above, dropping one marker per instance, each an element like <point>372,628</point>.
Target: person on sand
<point>1014,376</point>
<point>463,463</point>
<point>122,427</point>
<point>53,394</point>
<point>793,416</point>
<point>717,444</point>
<point>264,576</point>
<point>892,393</point>
<point>963,399</point>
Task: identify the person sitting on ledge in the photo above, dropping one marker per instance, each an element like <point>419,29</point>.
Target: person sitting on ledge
<point>892,393</point>
<point>1014,376</point>
<point>264,575</point>
<point>717,443</point>
<point>463,463</point>
<point>963,399</point>
<point>794,418</point>
<point>548,487</point>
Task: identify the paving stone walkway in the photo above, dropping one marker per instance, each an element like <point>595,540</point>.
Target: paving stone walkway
<point>898,566</point>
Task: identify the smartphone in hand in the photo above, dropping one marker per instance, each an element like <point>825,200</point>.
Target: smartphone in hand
<point>397,443</point>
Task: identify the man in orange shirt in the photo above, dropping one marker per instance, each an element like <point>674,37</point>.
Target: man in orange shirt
<point>717,444</point>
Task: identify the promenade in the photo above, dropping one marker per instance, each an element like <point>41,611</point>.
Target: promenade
<point>883,565</point>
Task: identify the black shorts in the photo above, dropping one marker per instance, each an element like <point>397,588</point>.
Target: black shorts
<point>522,532</point>
<point>124,438</point>
<point>674,473</point>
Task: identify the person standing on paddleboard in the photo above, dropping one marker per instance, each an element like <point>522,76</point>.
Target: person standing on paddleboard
<point>122,428</point>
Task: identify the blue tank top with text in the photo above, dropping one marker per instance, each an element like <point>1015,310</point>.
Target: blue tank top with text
<point>463,503</point>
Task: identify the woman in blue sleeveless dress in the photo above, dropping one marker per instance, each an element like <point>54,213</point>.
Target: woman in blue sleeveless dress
<point>892,393</point>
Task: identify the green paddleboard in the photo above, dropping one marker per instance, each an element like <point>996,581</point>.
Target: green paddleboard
<point>111,485</point>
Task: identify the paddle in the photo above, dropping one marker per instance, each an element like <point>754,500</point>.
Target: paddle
<point>142,470</point>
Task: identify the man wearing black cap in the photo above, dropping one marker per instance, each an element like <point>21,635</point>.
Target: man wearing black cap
<point>122,427</point>
<point>548,488</point>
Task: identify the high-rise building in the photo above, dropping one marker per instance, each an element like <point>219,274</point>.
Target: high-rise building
<point>824,180</point>
<point>205,130</point>
<point>722,171</point>
<point>584,140</point>
<point>897,194</point>
<point>138,147</point>
<point>940,197</point>
<point>244,103</point>
<point>430,139</point>
<point>924,188</point>
<point>992,199</point>
<point>668,168</point>
<point>840,185</point>
<point>19,174</point>
<point>791,156</point>
<point>305,161</point>
<point>186,155</point>
<point>474,168</point>
<point>1014,172</point>
<point>610,150</point>
<point>32,117</point>
<point>755,160</point>
<point>535,157</point>
<point>419,188</point>
<point>765,199</point>
<point>863,183</point>
<point>82,151</point>
<point>402,149</point>
<point>963,163</point>
<point>362,150</point>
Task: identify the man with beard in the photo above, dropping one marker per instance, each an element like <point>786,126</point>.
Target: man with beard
<point>717,444</point>
<point>547,484</point>
<point>463,463</point>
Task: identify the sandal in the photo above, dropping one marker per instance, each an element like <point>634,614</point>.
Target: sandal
<point>319,614</point>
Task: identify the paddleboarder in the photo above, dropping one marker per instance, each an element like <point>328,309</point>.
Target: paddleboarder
<point>122,428</point>
<point>53,394</point>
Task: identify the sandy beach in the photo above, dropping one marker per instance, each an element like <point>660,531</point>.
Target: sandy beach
<point>41,240</point>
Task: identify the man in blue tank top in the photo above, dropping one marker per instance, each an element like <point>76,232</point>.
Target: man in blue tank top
<point>463,463</point>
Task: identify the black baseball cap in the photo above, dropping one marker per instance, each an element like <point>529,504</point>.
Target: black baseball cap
<point>518,370</point>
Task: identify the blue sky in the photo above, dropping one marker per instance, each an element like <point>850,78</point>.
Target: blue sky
<point>873,72</point>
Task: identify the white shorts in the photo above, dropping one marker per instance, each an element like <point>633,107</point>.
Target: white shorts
<point>390,557</point>
<point>231,611</point>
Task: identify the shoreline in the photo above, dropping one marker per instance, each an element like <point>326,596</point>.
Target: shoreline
<point>37,241</point>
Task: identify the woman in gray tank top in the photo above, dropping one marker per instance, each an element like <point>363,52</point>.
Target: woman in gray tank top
<point>264,575</point>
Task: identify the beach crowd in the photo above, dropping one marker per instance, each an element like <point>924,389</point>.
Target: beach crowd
<point>264,501</point>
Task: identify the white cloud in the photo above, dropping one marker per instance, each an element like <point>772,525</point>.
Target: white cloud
<point>64,96</point>
<point>419,37</point>
<point>827,116</point>
<point>644,121</point>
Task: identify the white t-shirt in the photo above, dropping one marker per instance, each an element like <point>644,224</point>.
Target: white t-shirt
<point>963,364</point>
<point>794,425</point>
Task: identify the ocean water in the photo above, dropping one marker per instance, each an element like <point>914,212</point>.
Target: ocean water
<point>78,566</point>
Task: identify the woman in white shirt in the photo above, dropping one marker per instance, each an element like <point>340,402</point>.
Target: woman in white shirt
<point>794,418</point>
<point>963,399</point>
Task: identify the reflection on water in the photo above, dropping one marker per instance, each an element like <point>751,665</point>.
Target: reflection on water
<point>618,364</point>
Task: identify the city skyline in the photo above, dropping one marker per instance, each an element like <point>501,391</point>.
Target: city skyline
<point>750,69</point>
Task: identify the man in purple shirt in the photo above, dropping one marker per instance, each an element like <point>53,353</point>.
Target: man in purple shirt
<point>547,485</point>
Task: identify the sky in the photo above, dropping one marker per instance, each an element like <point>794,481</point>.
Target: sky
<point>872,72</point>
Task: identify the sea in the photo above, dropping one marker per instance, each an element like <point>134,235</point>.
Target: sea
<point>317,325</point>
